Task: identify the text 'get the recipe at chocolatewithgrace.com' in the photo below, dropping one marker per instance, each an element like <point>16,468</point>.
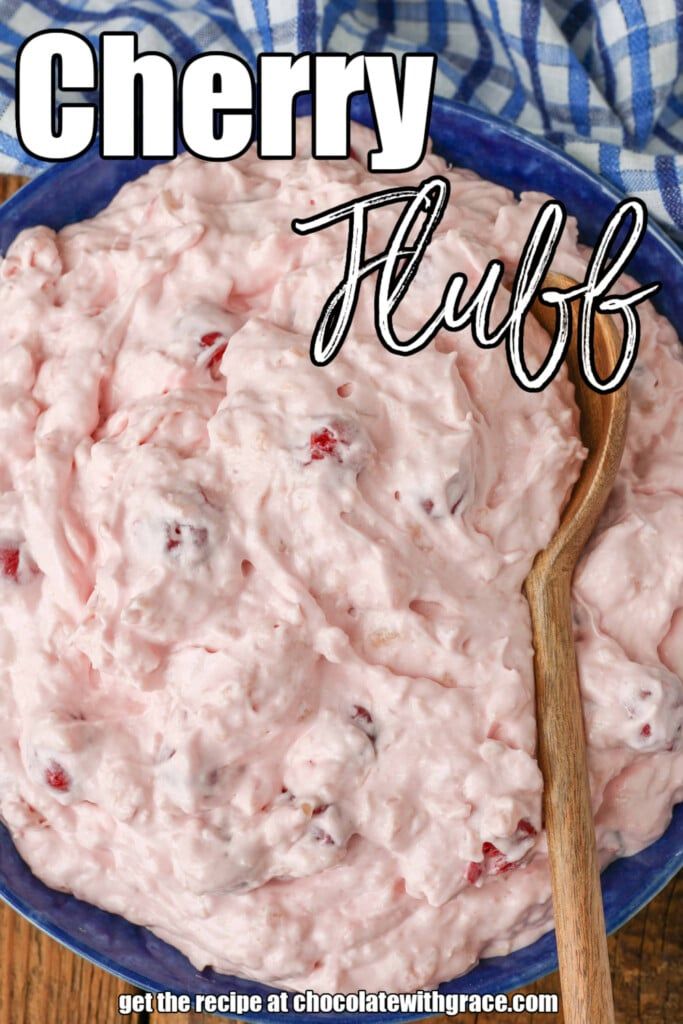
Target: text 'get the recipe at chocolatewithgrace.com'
<point>238,1004</point>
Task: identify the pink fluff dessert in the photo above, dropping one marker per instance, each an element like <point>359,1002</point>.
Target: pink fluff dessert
<point>267,681</point>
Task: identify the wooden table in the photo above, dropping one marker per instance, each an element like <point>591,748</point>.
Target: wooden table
<point>42,983</point>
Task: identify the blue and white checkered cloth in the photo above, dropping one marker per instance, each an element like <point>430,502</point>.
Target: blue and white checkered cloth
<point>603,79</point>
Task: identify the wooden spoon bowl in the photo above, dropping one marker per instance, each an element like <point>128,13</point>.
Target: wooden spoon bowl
<point>577,898</point>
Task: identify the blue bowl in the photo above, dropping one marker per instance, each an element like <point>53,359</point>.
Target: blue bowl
<point>501,153</point>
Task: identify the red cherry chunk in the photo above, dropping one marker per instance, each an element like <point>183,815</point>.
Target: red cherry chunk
<point>361,713</point>
<point>57,777</point>
<point>474,872</point>
<point>646,730</point>
<point>9,562</point>
<point>208,341</point>
<point>362,718</point>
<point>324,443</point>
<point>174,537</point>
<point>494,862</point>
<point>527,828</point>
<point>178,534</point>
<point>338,440</point>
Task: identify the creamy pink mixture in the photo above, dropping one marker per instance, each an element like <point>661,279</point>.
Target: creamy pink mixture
<point>266,665</point>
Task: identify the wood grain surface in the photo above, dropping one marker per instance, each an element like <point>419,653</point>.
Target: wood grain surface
<point>9,183</point>
<point>567,810</point>
<point>43,983</point>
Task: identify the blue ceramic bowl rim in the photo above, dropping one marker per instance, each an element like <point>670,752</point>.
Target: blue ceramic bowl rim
<point>628,883</point>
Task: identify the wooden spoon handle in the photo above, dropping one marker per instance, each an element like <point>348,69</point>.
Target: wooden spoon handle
<point>579,917</point>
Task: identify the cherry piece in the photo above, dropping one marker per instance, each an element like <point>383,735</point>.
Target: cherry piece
<point>494,862</point>
<point>57,777</point>
<point>323,443</point>
<point>9,562</point>
<point>339,440</point>
<point>359,712</point>
<point>474,872</point>
<point>179,533</point>
<point>173,536</point>
<point>208,341</point>
<point>527,828</point>
<point>362,718</point>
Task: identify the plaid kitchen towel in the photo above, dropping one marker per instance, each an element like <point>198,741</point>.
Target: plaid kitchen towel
<point>603,79</point>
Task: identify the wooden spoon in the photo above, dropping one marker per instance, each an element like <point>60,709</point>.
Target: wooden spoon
<point>577,899</point>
